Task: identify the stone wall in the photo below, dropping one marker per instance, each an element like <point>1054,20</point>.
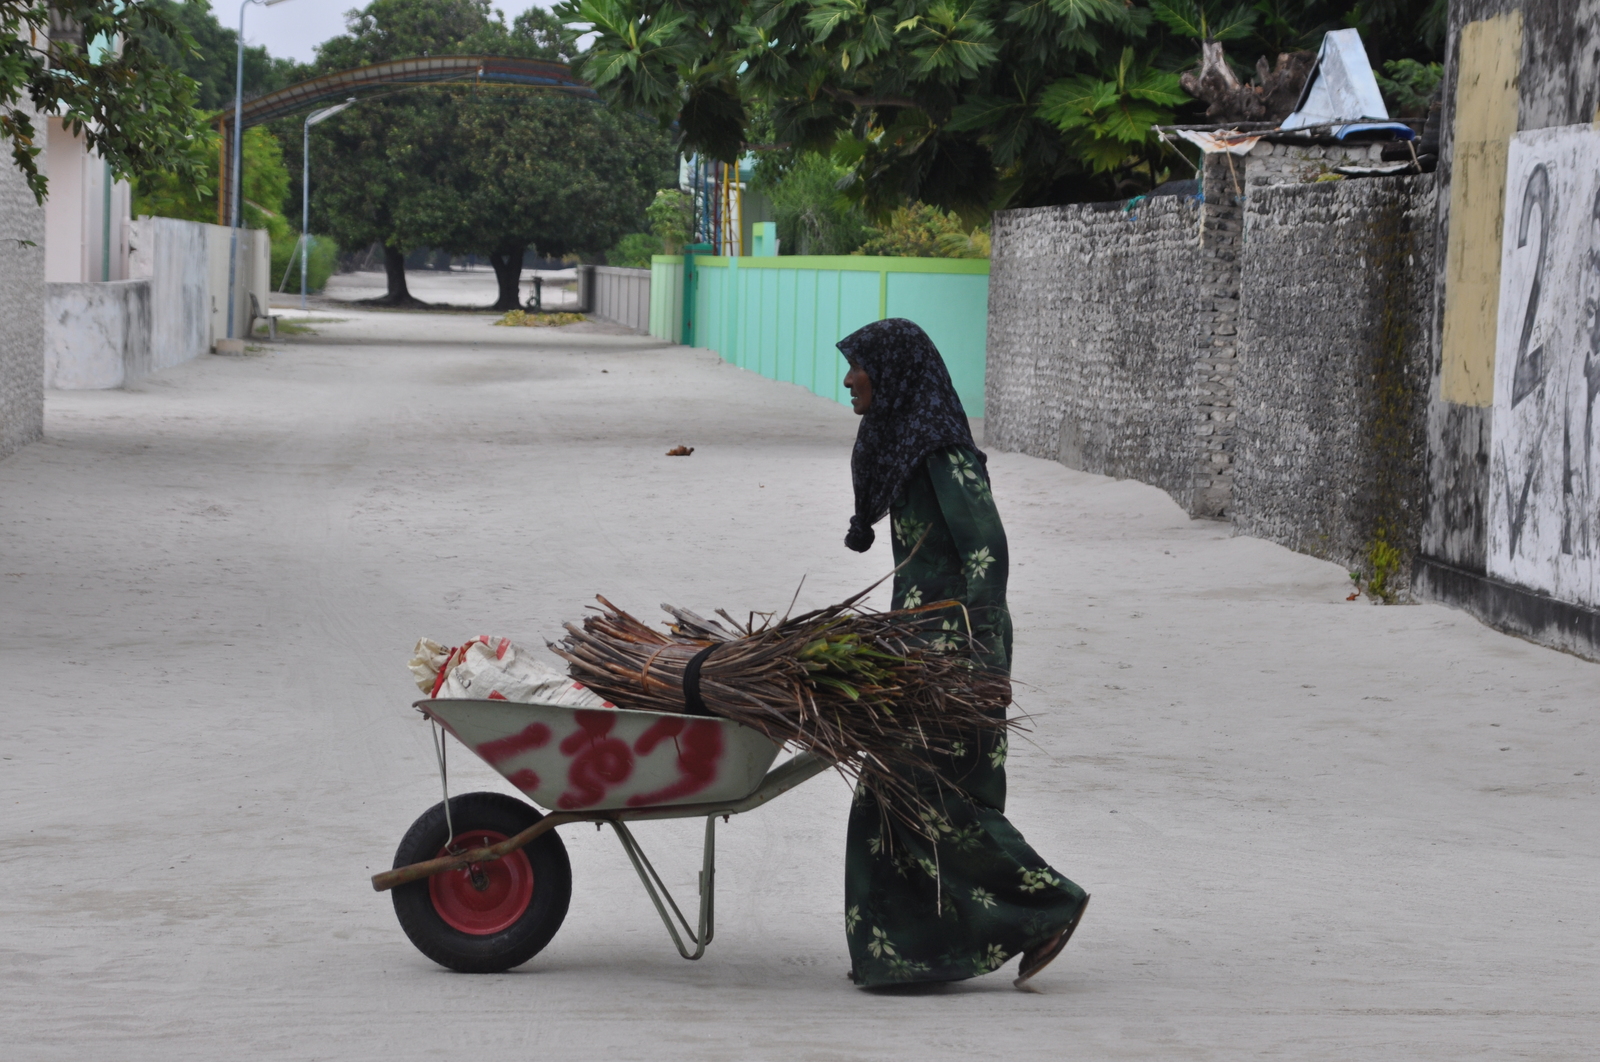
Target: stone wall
<point>1113,337</point>
<point>21,313</point>
<point>1092,338</point>
<point>1334,360</point>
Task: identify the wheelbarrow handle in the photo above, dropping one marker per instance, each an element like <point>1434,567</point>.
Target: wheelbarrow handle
<point>390,879</point>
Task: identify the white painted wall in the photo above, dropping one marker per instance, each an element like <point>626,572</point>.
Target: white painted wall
<point>1544,489</point>
<point>174,255</point>
<point>623,296</point>
<point>97,335</point>
<point>103,335</point>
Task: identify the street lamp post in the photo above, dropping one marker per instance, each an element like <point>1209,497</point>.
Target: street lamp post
<point>305,188</point>
<point>238,140</point>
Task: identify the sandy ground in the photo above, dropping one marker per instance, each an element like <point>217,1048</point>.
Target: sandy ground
<point>1313,829</point>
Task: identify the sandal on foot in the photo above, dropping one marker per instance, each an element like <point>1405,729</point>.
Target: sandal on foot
<point>1038,957</point>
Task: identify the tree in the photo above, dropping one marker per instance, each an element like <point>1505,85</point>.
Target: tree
<point>211,60</point>
<point>964,104</point>
<point>565,175</point>
<point>100,75</point>
<point>483,169</point>
<point>266,183</point>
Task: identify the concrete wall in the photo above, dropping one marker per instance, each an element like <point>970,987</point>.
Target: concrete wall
<point>1334,361</point>
<point>21,313</point>
<point>97,335</point>
<point>111,335</point>
<point>255,263</point>
<point>623,296</point>
<point>1511,68</point>
<point>174,256</point>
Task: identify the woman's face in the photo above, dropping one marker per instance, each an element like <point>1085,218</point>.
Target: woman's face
<point>860,389</point>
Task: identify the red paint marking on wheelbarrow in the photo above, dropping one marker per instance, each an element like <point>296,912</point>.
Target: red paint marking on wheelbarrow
<point>596,759</point>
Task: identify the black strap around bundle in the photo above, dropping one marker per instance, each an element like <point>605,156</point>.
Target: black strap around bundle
<point>692,703</point>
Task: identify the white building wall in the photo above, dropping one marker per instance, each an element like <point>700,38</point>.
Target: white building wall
<point>86,216</point>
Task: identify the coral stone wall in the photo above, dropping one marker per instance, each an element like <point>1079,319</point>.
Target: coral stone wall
<point>1336,287</point>
<point>1092,338</point>
<point>21,313</point>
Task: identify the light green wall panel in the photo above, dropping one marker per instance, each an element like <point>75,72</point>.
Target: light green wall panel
<point>781,317</point>
<point>954,311</point>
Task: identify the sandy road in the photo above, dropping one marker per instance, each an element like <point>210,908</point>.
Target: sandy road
<point>1313,829</point>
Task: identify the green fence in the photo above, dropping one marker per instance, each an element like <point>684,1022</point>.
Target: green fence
<point>781,317</point>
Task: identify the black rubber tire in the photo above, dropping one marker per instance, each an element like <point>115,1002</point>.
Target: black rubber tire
<point>519,942</point>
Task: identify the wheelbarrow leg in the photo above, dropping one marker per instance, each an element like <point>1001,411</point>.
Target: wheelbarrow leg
<point>658,890</point>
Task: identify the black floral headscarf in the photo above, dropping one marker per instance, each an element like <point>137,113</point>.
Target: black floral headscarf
<point>914,411</point>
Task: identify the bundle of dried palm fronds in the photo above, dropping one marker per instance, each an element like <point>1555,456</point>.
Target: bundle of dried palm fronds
<point>868,690</point>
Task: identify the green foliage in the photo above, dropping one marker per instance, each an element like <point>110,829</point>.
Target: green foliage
<point>266,183</point>
<point>968,105</point>
<point>1384,562</point>
<point>476,169</point>
<point>812,216</point>
<point>1205,22</point>
<point>1108,122</point>
<point>923,231</point>
<point>132,108</point>
<point>1408,86</point>
<point>322,263</point>
<point>635,250</point>
<point>671,218</point>
<point>211,62</point>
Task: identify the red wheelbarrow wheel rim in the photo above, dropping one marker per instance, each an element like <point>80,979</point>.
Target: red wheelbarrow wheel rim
<point>486,897</point>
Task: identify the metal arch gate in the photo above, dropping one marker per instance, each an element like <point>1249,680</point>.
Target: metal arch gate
<point>430,70</point>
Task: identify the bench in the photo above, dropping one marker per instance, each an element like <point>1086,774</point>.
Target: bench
<point>257,315</point>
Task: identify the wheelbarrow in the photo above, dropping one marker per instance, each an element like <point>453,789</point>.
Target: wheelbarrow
<point>481,881</point>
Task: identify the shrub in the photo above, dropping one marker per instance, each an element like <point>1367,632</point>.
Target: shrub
<point>811,214</point>
<point>322,263</point>
<point>634,251</point>
<point>671,219</point>
<point>923,231</point>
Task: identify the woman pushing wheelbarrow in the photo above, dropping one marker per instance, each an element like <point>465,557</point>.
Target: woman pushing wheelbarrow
<point>687,723</point>
<point>964,893</point>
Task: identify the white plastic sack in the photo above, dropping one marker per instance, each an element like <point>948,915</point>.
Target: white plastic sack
<point>494,669</point>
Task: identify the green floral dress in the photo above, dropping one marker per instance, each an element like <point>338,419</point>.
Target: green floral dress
<point>915,909</point>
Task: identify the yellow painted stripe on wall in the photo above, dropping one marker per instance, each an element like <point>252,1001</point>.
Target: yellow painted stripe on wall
<point>1486,120</point>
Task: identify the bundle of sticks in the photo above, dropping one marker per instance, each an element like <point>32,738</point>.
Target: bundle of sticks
<point>868,690</point>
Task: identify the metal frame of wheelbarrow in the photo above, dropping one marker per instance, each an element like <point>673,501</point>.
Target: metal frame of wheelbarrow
<point>778,780</point>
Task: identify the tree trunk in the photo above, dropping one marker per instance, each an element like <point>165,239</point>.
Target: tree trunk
<point>394,264</point>
<point>508,276</point>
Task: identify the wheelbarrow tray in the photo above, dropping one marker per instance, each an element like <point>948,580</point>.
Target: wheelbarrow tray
<point>573,759</point>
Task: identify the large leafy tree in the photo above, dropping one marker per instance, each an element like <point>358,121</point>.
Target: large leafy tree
<point>478,169</point>
<point>965,104</point>
<point>564,175</point>
<point>94,64</point>
<point>943,101</point>
<point>211,61</point>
